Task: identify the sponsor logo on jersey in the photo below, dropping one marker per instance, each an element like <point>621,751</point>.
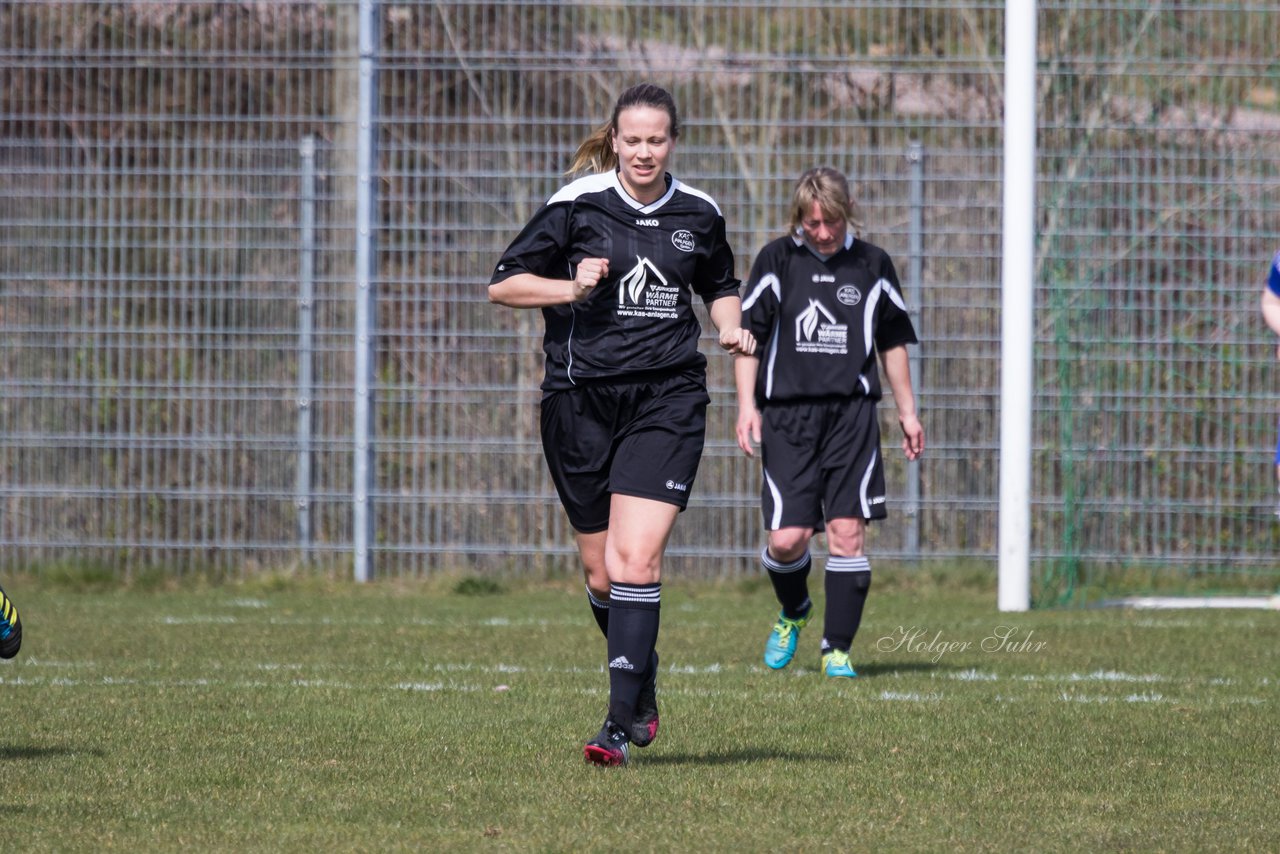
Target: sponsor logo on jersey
<point>677,487</point>
<point>849,295</point>
<point>683,240</point>
<point>818,332</point>
<point>823,277</point>
<point>644,292</point>
<point>650,222</point>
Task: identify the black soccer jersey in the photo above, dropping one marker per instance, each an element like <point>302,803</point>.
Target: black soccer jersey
<point>819,323</point>
<point>639,319</point>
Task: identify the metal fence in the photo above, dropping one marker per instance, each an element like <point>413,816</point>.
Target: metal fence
<point>180,187</point>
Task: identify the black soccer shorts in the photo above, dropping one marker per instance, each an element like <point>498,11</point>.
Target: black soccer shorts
<point>639,438</point>
<point>821,461</point>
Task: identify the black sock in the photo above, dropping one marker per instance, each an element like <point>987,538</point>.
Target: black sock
<point>790,583</point>
<point>599,610</point>
<point>847,581</point>
<point>633,633</point>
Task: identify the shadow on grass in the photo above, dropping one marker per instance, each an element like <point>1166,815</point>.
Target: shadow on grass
<point>16,751</point>
<point>737,757</point>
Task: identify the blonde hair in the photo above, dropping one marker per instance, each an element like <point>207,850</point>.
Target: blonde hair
<point>596,154</point>
<point>830,189</point>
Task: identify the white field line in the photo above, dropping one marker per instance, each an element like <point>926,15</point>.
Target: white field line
<point>686,680</point>
<point>716,668</point>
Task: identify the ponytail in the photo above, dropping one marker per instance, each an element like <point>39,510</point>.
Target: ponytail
<point>595,153</point>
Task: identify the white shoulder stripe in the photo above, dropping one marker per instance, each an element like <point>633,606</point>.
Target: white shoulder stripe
<point>893,293</point>
<point>869,314</point>
<point>582,186</point>
<point>677,184</point>
<point>769,282</point>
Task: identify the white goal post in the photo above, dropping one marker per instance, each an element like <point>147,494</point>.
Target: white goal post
<point>1017,322</point>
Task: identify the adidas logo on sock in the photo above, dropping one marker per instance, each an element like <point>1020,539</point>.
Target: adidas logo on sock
<point>621,663</point>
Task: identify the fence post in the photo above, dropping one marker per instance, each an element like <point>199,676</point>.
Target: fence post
<point>366,295</point>
<point>915,290</point>
<point>306,331</point>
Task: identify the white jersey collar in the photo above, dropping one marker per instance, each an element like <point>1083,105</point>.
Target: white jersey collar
<point>672,184</point>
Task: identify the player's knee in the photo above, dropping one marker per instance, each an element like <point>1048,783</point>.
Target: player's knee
<point>845,537</point>
<point>634,567</point>
<point>788,545</point>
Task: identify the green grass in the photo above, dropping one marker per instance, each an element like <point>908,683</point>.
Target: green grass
<point>298,716</point>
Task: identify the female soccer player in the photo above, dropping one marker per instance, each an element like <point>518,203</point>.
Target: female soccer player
<point>1271,314</point>
<point>821,304</point>
<point>613,259</point>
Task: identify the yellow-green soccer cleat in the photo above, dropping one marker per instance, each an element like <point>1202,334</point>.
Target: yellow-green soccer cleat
<point>836,664</point>
<point>781,646</point>
<point>10,627</point>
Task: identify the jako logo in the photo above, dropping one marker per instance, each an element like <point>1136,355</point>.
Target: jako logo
<point>678,487</point>
<point>646,222</point>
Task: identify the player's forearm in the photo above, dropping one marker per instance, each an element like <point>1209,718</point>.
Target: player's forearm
<point>726,313</point>
<point>1271,310</point>
<point>525,290</point>
<point>745,369</point>
<point>897,369</point>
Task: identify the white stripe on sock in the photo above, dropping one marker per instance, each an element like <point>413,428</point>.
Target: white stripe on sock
<point>848,564</point>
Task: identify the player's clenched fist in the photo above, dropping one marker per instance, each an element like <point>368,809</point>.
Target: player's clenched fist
<point>589,273</point>
<point>738,341</point>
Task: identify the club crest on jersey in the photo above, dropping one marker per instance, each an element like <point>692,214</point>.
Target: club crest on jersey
<point>849,295</point>
<point>644,292</point>
<point>818,332</point>
<point>683,240</point>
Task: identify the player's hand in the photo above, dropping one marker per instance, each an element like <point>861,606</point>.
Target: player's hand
<point>748,430</point>
<point>912,436</point>
<point>589,273</point>
<point>738,341</point>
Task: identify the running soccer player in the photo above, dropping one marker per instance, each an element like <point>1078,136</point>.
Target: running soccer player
<point>613,259</point>
<point>821,304</point>
<point>10,627</point>
<point>1271,314</point>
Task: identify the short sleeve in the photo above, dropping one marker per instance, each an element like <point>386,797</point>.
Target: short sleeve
<point>715,278</point>
<point>540,248</point>
<point>894,327</point>
<point>762,298</point>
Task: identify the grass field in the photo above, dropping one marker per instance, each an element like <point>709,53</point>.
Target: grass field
<point>299,716</point>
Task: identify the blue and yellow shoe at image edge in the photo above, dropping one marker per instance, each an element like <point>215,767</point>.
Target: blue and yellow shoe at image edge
<point>10,627</point>
<point>781,646</point>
